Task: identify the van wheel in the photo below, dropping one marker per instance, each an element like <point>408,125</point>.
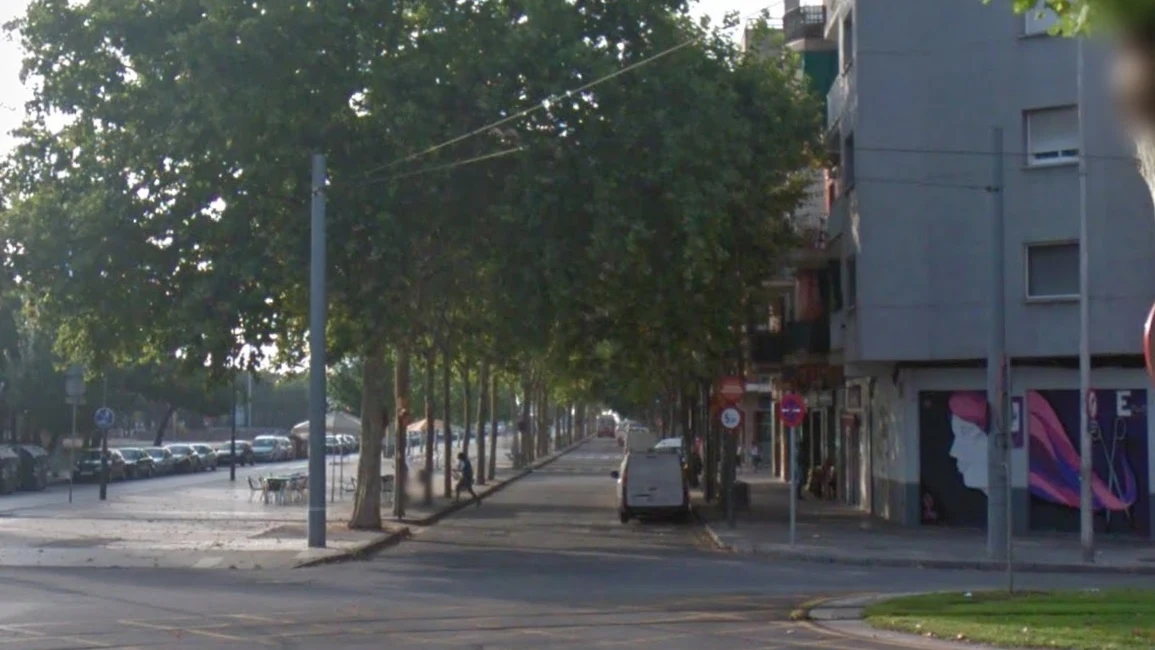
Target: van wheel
<point>624,517</point>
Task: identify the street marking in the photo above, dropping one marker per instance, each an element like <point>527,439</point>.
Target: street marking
<point>181,631</point>
<point>258,619</point>
<point>645,639</point>
<point>208,562</point>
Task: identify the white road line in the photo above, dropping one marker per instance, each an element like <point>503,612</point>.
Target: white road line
<point>208,562</point>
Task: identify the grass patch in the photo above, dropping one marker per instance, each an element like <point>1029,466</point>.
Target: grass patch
<point>1070,620</point>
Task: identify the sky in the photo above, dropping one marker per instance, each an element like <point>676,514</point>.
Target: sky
<point>13,95</point>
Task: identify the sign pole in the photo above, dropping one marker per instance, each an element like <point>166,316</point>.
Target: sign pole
<point>793,483</point>
<point>72,454</point>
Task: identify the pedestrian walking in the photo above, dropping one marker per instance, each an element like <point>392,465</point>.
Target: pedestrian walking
<point>465,478</point>
<point>755,456</point>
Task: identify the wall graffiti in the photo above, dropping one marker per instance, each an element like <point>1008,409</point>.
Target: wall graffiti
<point>953,457</point>
<point>1119,447</point>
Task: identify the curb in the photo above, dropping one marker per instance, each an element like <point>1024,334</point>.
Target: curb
<point>360,551</point>
<point>843,616</point>
<point>390,539</point>
<point>922,563</point>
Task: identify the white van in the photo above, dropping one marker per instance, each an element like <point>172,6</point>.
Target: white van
<point>652,483</point>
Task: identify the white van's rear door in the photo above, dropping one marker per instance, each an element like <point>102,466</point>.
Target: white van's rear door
<point>654,480</point>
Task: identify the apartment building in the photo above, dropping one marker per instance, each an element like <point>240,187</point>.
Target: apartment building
<point>920,87</point>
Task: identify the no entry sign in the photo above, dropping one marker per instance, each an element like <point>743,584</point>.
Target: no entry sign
<point>731,389</point>
<point>792,410</point>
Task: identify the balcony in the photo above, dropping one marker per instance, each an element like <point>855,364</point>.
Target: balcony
<point>767,348</point>
<point>809,337</point>
<point>840,98</point>
<point>803,23</point>
<point>839,220</point>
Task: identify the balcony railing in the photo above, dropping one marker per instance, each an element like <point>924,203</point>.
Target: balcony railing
<point>837,98</point>
<point>802,23</point>
<point>767,348</point>
<point>811,336</point>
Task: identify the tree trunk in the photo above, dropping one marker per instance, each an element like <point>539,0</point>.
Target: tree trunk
<point>467,416</point>
<point>446,386</point>
<point>543,421</point>
<point>482,417</point>
<point>367,500</point>
<point>525,427</point>
<point>158,438</point>
<point>401,400</point>
<point>493,425</point>
<point>430,437</point>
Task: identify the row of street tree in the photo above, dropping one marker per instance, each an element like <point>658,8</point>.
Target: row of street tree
<point>598,238</point>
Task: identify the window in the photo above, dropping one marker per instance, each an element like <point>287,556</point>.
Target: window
<point>846,42</point>
<point>851,282</point>
<point>1038,21</point>
<point>1053,270</point>
<point>848,163</point>
<point>1052,136</point>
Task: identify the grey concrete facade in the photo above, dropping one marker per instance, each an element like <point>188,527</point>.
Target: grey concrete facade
<point>922,85</point>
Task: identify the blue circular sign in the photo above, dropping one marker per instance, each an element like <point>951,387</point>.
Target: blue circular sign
<point>104,417</point>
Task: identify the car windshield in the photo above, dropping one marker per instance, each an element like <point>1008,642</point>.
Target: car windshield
<point>90,456</point>
<point>131,454</point>
<point>180,451</point>
<point>264,444</point>
<point>202,448</point>
<point>156,453</point>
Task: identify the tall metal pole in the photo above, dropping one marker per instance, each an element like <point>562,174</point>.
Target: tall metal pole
<point>997,476</point>
<point>793,484</point>
<point>249,401</point>
<point>317,322</point>
<point>72,454</point>
<point>104,447</point>
<point>1086,504</point>
<point>233,435</point>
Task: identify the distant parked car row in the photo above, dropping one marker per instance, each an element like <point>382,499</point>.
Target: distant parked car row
<point>180,458</point>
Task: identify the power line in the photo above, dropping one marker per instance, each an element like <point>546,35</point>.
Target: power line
<point>551,99</point>
<point>447,166</point>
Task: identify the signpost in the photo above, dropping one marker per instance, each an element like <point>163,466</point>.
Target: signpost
<point>731,389</point>
<point>792,413</point>
<point>73,396</point>
<point>104,419</point>
<point>732,418</point>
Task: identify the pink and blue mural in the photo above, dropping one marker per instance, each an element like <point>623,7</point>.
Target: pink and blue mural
<point>1119,434</point>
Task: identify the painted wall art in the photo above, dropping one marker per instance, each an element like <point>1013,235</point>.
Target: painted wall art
<point>1118,423</point>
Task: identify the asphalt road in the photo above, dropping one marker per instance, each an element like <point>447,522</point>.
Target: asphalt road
<point>542,564</point>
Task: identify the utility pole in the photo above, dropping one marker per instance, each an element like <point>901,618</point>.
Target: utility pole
<point>998,445</point>
<point>74,396</point>
<point>249,400</point>
<point>104,446</point>
<point>317,322</point>
<point>233,434</point>
<point>1086,469</point>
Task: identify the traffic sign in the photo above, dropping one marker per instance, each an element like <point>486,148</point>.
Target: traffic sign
<point>731,418</point>
<point>731,389</point>
<point>792,410</point>
<point>74,382</point>
<point>104,417</point>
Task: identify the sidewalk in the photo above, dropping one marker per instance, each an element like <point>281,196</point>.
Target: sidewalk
<point>830,532</point>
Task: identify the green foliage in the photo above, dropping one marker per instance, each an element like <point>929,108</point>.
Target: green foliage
<point>1083,16</point>
<point>164,225</point>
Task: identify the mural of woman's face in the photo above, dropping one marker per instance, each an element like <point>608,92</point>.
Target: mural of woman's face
<point>969,450</point>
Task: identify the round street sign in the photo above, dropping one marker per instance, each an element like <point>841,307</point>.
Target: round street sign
<point>731,417</point>
<point>104,417</point>
<point>792,410</point>
<point>731,389</point>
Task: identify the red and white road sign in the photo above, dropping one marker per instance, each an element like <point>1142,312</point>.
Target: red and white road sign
<point>792,409</point>
<point>732,389</point>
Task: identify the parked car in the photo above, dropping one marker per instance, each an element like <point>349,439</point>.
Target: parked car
<point>244,452</point>
<point>34,462</point>
<point>208,456</point>
<point>185,459</point>
<point>652,484</point>
<point>137,463</point>
<point>272,449</point>
<point>88,467</point>
<point>352,443</point>
<point>163,461</point>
